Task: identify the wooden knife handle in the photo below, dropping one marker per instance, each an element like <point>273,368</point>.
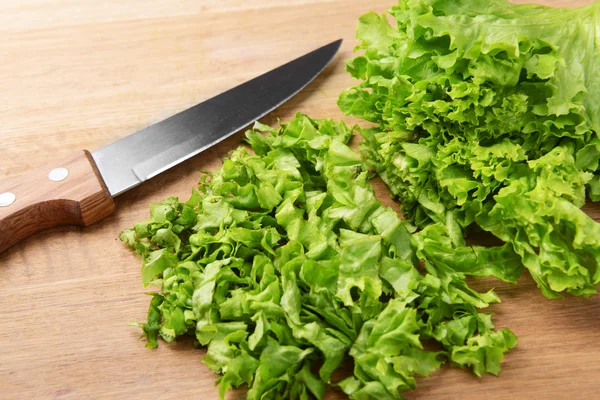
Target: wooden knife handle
<point>67,192</point>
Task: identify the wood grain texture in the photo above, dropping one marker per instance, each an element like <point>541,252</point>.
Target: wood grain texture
<point>79,74</point>
<point>80,198</point>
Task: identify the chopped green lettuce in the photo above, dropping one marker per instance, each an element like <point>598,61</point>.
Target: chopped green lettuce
<point>287,268</point>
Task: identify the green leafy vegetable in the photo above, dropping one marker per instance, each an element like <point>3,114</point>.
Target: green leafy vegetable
<point>487,115</point>
<point>286,266</point>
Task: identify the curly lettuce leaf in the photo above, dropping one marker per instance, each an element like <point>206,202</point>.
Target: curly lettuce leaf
<point>487,113</point>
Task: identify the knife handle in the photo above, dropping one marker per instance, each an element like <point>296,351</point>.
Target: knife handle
<point>68,192</point>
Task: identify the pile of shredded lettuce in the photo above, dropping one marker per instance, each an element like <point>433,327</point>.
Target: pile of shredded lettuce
<point>487,117</point>
<point>285,265</point>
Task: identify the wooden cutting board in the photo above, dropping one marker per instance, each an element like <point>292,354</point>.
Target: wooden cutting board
<point>80,74</point>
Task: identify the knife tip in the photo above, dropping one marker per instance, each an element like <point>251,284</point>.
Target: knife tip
<point>334,46</point>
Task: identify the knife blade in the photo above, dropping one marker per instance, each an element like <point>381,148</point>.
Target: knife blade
<point>80,189</point>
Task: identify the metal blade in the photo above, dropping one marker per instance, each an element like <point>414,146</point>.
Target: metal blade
<point>144,154</point>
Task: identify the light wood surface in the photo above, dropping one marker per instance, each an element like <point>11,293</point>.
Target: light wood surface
<point>79,74</point>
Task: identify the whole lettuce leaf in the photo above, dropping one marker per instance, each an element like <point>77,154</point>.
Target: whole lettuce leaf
<point>287,268</point>
<point>488,113</point>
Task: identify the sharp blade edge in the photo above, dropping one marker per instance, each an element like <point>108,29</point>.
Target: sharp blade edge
<point>136,158</point>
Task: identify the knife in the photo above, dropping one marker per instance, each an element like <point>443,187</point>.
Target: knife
<point>80,189</point>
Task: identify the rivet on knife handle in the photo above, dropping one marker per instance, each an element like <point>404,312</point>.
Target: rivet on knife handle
<point>69,192</point>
